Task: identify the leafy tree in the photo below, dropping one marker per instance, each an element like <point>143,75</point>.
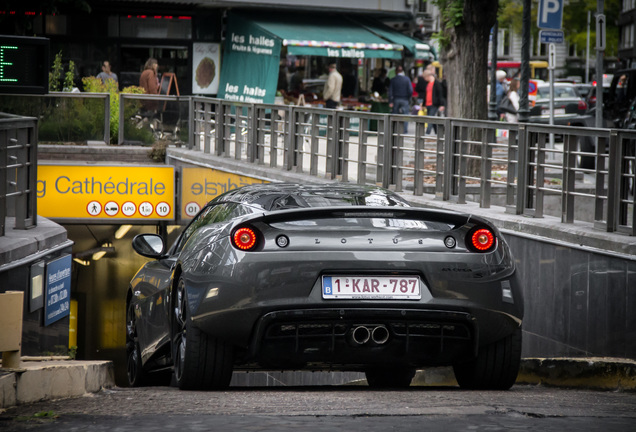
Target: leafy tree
<point>464,37</point>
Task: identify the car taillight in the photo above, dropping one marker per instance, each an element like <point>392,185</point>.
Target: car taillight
<point>582,106</point>
<point>244,238</point>
<point>481,239</point>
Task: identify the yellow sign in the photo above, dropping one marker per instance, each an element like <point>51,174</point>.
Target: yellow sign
<point>200,185</point>
<point>99,192</point>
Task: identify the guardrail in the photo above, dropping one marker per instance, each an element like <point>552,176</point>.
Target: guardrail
<point>64,116</point>
<point>18,171</point>
<point>577,174</point>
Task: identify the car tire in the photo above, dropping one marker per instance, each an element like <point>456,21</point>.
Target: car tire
<point>495,368</point>
<point>134,367</point>
<point>201,362</point>
<point>389,378</point>
<point>586,144</point>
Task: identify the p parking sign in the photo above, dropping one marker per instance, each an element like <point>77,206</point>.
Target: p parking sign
<point>550,14</point>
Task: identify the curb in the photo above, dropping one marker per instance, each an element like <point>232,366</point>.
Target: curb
<point>46,379</point>
<point>53,379</point>
<point>595,373</point>
<point>590,373</point>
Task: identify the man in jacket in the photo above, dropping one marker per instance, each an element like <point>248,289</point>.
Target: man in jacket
<point>431,92</point>
<point>400,91</point>
<point>333,87</point>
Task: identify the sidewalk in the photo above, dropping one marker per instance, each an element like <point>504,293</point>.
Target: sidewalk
<point>46,378</point>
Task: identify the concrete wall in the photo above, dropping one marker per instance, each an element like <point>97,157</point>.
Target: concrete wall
<point>578,302</point>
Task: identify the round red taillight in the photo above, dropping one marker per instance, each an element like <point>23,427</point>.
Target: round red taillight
<point>482,239</point>
<point>244,238</point>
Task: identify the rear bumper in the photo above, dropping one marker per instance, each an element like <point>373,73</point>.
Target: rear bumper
<point>352,339</point>
<point>296,339</point>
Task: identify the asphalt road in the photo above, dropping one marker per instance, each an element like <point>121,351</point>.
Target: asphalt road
<point>329,408</point>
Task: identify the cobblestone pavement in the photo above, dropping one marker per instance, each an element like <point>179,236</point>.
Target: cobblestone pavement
<point>328,408</point>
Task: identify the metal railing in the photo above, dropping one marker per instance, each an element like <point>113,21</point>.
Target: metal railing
<point>18,171</point>
<point>64,116</point>
<point>575,174</point>
<point>529,169</point>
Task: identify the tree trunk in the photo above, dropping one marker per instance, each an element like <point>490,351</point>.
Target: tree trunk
<point>465,60</point>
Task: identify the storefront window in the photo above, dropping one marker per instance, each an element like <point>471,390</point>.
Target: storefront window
<point>155,27</point>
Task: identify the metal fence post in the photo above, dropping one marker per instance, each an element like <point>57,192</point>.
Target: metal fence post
<point>613,190</point>
<point>122,102</point>
<point>191,123</point>
<point>522,168</point>
<point>4,138</point>
<point>107,119</point>
<point>447,160</point>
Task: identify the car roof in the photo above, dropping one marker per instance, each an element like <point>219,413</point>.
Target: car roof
<point>268,196</point>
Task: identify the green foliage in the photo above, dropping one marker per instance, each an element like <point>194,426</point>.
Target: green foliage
<point>95,85</point>
<point>46,414</point>
<point>158,151</point>
<point>69,120</point>
<point>69,78</point>
<point>56,73</point>
<point>452,13</point>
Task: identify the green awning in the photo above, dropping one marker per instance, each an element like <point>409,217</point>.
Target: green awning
<point>416,48</point>
<point>327,35</point>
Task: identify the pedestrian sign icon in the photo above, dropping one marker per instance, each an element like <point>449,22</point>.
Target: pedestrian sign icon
<point>94,208</point>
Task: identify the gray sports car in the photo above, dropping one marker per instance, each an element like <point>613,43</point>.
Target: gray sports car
<point>324,277</point>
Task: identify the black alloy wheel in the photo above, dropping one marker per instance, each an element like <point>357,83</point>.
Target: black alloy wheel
<point>495,368</point>
<point>201,362</point>
<point>134,367</point>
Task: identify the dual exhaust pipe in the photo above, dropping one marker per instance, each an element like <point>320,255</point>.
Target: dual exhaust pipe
<point>361,335</point>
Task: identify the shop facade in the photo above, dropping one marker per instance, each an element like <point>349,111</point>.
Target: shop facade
<point>193,40</point>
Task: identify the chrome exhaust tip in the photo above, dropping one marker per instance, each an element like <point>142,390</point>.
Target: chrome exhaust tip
<point>380,335</point>
<point>359,335</point>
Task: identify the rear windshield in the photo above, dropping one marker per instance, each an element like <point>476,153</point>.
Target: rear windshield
<point>362,222</point>
<point>559,92</point>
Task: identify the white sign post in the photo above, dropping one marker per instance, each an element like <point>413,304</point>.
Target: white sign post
<point>550,17</point>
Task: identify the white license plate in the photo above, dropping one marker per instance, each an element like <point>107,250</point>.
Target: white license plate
<point>559,111</point>
<point>371,287</point>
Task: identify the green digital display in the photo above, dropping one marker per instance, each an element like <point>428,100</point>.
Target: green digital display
<point>24,64</point>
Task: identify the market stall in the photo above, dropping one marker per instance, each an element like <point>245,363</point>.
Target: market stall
<point>254,42</point>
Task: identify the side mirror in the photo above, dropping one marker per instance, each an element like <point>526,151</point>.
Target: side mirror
<point>149,245</point>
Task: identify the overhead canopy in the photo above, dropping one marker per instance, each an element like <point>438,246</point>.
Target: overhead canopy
<point>415,47</point>
<point>250,67</point>
<point>327,36</point>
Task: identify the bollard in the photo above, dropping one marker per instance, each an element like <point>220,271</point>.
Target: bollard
<point>11,305</point>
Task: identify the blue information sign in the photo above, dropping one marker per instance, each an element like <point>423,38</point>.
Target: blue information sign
<point>551,36</point>
<point>58,290</point>
<point>550,15</point>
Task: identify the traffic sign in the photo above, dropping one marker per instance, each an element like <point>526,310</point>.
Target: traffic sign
<point>600,32</point>
<point>551,36</point>
<point>550,14</point>
<point>551,56</point>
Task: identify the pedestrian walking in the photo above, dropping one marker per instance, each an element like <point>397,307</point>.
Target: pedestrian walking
<point>400,91</point>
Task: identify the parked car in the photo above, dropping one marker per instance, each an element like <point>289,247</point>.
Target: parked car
<point>325,277</point>
<point>569,106</point>
<point>583,90</point>
<point>570,109</point>
<point>620,93</point>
